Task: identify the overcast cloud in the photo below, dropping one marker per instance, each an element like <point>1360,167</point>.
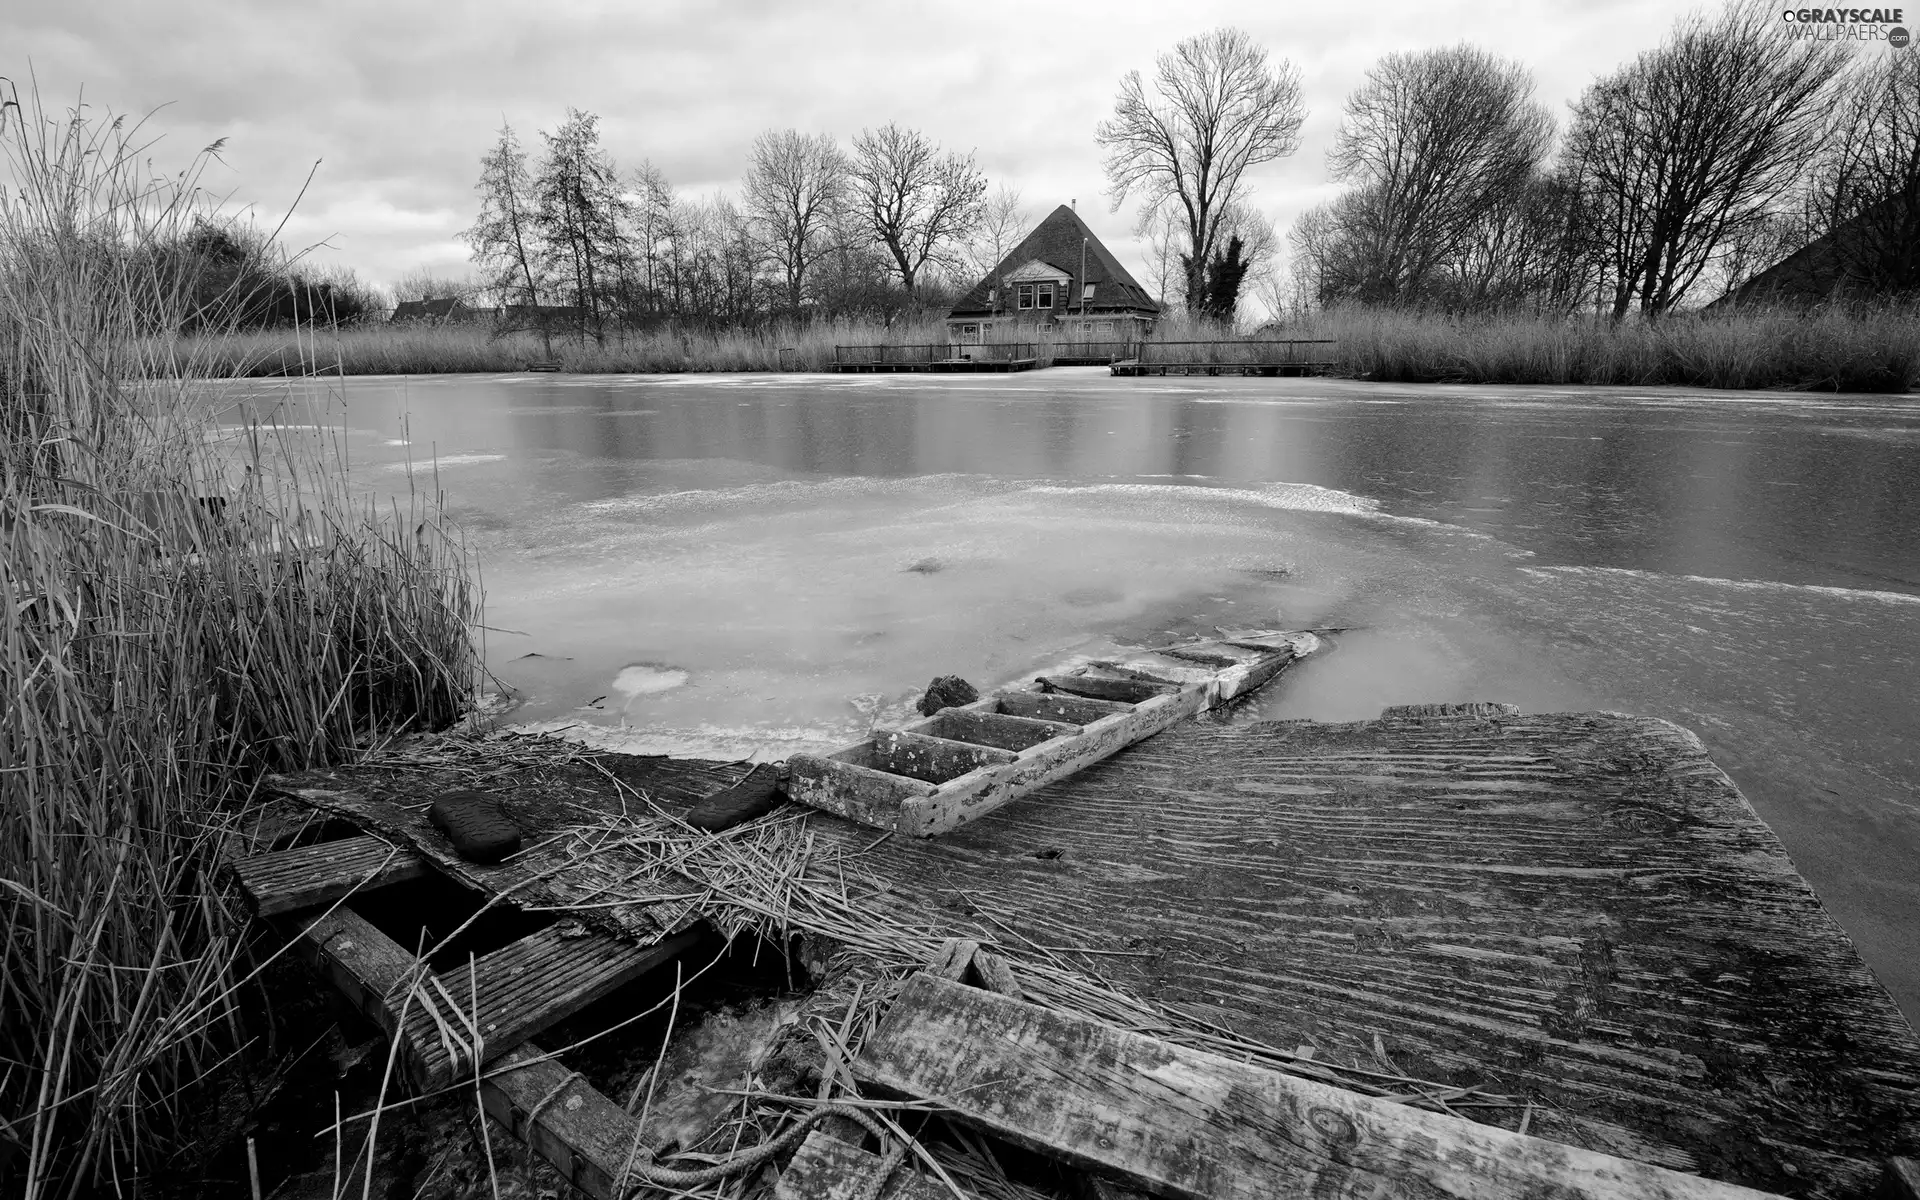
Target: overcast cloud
<point>398,99</point>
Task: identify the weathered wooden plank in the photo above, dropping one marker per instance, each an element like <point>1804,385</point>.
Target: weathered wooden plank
<point>933,759</point>
<point>1210,654</point>
<point>284,881</point>
<point>826,1168</point>
<point>991,728</point>
<point>566,1120</point>
<point>1106,687</point>
<point>967,799</point>
<point>1903,1179</point>
<point>1181,1123</point>
<point>1052,706</point>
<point>586,1136</point>
<point>520,989</point>
<point>953,958</point>
<point>852,790</point>
<point>996,975</point>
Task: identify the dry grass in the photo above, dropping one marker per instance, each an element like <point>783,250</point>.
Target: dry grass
<point>158,653</point>
<point>1834,349</point>
<point>417,349</point>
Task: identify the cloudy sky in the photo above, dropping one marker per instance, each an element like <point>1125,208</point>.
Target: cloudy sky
<point>397,99</point>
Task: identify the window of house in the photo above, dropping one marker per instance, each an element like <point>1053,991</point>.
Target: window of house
<point>990,297</point>
<point>1045,296</point>
<point>1086,291</point>
<point>1026,295</point>
<point>970,333</point>
<point>986,329</point>
<point>1086,327</point>
<point>1106,327</point>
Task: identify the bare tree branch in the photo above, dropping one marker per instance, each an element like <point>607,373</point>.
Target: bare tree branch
<point>1216,110</point>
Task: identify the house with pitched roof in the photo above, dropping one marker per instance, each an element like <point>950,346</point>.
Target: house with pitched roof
<point>1059,282</point>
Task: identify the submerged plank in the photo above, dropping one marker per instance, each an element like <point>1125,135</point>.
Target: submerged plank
<point>1052,706</point>
<point>1182,1123</point>
<point>992,729</point>
<point>933,759</point>
<point>1106,687</point>
<point>285,881</point>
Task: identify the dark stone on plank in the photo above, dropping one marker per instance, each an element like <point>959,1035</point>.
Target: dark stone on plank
<point>755,796</point>
<point>947,691</point>
<point>479,829</point>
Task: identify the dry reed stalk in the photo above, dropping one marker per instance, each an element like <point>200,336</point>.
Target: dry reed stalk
<point>159,651</point>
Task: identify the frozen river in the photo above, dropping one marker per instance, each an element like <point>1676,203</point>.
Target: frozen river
<point>740,566</point>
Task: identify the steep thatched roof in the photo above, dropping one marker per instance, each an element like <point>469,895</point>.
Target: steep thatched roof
<point>1057,241</point>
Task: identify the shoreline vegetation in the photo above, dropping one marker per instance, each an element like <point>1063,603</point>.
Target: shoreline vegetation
<point>1835,348</point>
<point>178,616</point>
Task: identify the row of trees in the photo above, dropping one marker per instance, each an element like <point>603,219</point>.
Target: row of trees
<point>1685,171</point>
<point>891,224</point>
<point>1701,162</point>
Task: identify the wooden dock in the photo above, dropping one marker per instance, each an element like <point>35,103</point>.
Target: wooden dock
<point>1578,911</point>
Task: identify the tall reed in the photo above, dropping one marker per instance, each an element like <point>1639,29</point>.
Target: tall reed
<point>176,616</point>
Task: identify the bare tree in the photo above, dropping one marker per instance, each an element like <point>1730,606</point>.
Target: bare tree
<point>1865,192</point>
<point>920,204</point>
<point>795,183</point>
<point>1692,142</point>
<point>1215,111</point>
<point>1003,222</point>
<point>580,213</point>
<point>1436,139</point>
<point>652,211</point>
<point>505,236</point>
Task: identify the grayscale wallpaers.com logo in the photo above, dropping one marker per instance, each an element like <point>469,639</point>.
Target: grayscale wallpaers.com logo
<point>1847,25</point>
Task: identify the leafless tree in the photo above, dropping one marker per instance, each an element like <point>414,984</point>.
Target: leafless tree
<point>1003,222</point>
<point>424,283</point>
<point>652,210</point>
<point>920,203</point>
<point>795,183</point>
<point>1216,109</point>
<point>1692,142</point>
<point>1436,140</point>
<point>1865,191</point>
<point>505,237</point>
<point>579,211</point>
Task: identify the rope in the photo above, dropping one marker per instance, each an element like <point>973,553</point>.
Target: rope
<point>650,1174</point>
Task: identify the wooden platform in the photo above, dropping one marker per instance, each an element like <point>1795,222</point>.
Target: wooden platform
<point>1135,367</point>
<point>949,366</point>
<point>1578,909</point>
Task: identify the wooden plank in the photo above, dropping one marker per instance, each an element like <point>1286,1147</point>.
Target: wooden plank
<point>1903,1179</point>
<point>563,1118</point>
<point>991,728</point>
<point>826,1168</point>
<point>972,797</point>
<point>1217,657</point>
<point>284,881</point>
<point>953,958</point>
<point>1103,687</point>
<point>1181,1123</point>
<point>852,790</point>
<point>1051,706</point>
<point>520,989</point>
<point>586,1136</point>
<point>933,759</point>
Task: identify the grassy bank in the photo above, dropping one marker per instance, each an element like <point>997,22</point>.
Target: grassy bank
<point>418,349</point>
<point>178,617</point>
<point>1873,350</point>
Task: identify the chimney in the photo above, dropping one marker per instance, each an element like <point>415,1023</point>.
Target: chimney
<point>1076,204</point>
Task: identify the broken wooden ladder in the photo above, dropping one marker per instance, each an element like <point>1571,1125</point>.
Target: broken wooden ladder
<point>963,762</point>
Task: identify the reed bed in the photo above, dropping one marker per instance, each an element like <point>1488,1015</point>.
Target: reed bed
<point>176,616</point>
<point>1836,348</point>
<point>476,347</point>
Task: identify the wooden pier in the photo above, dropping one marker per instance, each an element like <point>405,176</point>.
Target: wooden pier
<point>939,358</point>
<point>1294,356</point>
<point>1577,912</point>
